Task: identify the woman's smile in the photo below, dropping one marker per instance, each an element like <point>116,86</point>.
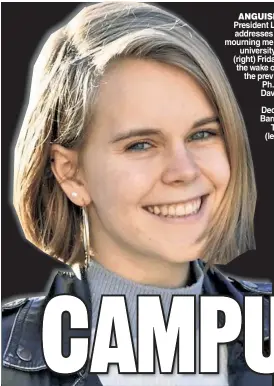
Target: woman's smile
<point>180,212</point>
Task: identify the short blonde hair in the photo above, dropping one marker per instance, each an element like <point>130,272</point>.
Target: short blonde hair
<point>65,81</point>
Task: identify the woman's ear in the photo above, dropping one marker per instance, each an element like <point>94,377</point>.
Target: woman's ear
<point>65,167</point>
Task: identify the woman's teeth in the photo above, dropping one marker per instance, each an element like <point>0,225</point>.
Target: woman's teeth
<point>176,210</point>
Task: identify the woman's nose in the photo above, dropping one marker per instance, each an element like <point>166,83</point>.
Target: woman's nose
<point>180,167</point>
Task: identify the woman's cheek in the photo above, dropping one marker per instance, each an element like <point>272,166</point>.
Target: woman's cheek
<point>213,163</point>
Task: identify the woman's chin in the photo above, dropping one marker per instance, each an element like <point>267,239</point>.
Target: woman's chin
<point>182,255</point>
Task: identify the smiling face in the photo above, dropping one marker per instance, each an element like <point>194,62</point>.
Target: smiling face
<point>155,165</point>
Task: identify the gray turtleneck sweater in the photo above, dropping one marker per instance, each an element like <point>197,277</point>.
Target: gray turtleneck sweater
<point>103,282</point>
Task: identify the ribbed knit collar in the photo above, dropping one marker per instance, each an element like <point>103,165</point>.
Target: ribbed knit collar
<point>104,282</point>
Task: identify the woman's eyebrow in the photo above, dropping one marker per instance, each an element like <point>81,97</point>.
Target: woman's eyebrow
<point>204,121</point>
<point>140,132</point>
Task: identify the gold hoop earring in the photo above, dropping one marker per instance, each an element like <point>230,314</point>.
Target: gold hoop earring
<point>86,235</point>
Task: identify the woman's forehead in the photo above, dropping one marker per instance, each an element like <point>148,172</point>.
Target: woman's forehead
<point>142,92</point>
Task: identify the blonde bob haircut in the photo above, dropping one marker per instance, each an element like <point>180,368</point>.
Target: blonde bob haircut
<point>65,82</point>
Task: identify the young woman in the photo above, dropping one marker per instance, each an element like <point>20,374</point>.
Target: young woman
<point>132,164</point>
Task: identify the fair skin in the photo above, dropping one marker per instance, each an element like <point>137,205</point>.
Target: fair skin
<point>149,203</point>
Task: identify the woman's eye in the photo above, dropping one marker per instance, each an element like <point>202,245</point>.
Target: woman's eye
<point>139,146</point>
<point>202,135</point>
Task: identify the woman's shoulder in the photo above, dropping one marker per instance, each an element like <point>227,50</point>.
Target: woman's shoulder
<point>22,364</point>
<point>11,308</point>
<point>217,282</point>
<point>21,322</point>
<point>255,287</point>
